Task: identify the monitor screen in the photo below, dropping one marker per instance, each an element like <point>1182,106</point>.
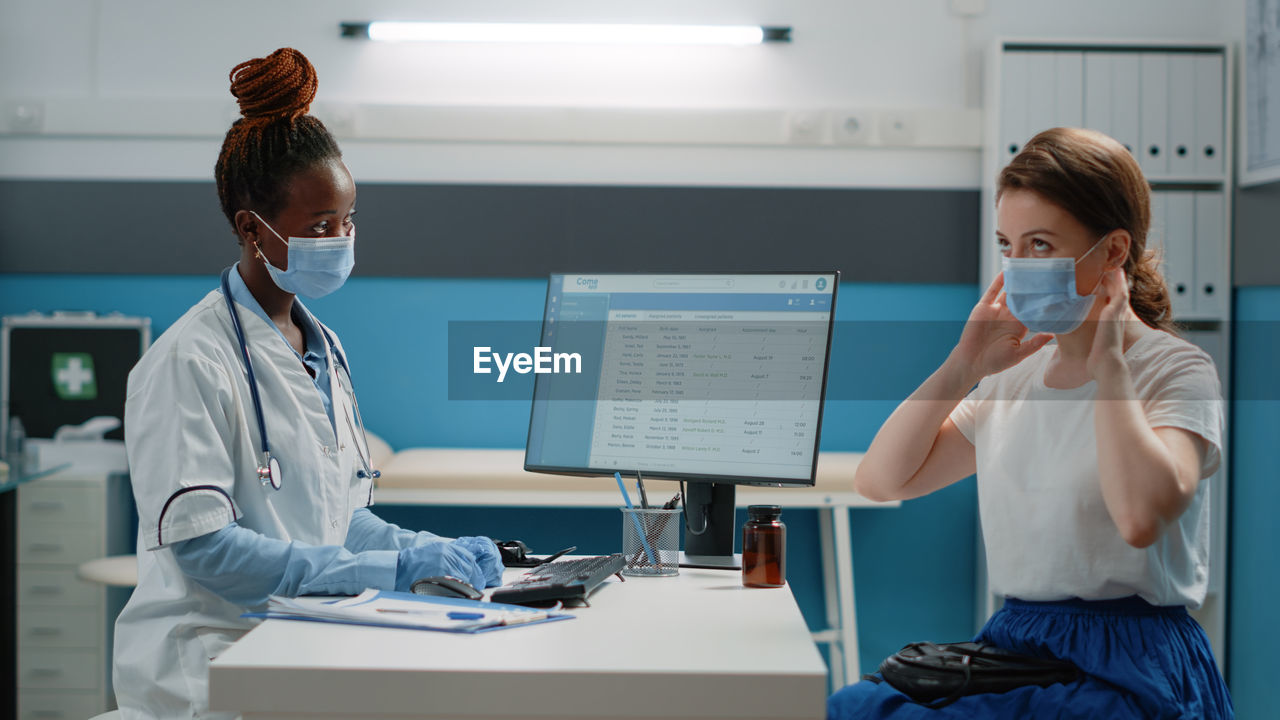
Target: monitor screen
<point>65,369</point>
<point>715,378</point>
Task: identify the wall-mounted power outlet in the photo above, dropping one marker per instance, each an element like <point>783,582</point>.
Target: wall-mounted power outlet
<point>897,128</point>
<point>806,127</point>
<point>852,127</point>
<point>24,116</point>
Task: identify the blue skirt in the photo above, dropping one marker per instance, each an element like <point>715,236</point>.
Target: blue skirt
<point>1137,661</point>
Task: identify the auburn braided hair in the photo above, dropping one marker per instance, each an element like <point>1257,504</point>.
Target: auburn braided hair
<point>275,138</point>
<point>1097,180</point>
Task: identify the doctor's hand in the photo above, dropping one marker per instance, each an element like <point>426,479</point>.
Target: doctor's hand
<point>993,340</point>
<point>439,558</point>
<point>487,556</point>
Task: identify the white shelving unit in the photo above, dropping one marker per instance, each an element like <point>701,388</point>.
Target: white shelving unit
<point>1171,104</point>
<point>65,625</point>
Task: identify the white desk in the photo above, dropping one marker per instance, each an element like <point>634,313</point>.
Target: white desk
<point>463,477</point>
<point>698,645</point>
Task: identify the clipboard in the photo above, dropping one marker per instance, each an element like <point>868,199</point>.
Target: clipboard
<point>386,608</point>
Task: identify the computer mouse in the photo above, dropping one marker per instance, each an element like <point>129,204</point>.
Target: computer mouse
<point>446,586</point>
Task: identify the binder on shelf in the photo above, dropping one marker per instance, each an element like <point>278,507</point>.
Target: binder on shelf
<point>1209,295</point>
<point>1097,92</point>
<point>1013,112</point>
<point>1041,94</point>
<point>1182,116</point>
<point>1153,139</point>
<point>1209,111</point>
<point>1125,81</point>
<point>1180,244</point>
<point>1159,230</point>
<point>1069,82</point>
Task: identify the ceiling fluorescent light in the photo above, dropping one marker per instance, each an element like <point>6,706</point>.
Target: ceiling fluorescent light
<point>565,33</point>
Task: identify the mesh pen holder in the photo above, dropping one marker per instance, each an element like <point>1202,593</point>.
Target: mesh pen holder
<point>658,553</point>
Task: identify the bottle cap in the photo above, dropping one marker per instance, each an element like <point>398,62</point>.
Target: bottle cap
<point>763,512</point>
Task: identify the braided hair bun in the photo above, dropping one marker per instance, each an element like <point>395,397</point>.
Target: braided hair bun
<point>282,84</point>
<point>275,138</point>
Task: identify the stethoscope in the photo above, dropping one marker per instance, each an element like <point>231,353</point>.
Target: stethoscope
<point>269,471</point>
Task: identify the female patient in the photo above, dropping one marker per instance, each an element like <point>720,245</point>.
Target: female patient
<point>1089,451</point>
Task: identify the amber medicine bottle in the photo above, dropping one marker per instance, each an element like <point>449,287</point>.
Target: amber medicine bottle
<point>764,547</point>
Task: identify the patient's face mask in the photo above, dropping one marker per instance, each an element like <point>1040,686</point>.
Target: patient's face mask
<point>1041,293</point>
<point>317,265</point>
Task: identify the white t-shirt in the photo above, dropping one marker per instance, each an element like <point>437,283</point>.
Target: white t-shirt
<point>1046,528</point>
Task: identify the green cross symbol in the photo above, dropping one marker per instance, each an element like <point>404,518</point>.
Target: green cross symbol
<point>73,377</point>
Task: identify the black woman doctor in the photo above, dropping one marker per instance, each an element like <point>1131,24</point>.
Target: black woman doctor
<point>248,457</point>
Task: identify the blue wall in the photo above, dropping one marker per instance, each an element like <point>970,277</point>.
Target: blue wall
<point>1254,632</point>
<point>912,585</point>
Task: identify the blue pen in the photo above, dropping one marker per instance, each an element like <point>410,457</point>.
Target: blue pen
<point>648,551</point>
<point>466,616</point>
<point>452,615</point>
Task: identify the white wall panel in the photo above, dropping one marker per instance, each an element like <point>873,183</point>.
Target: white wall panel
<point>859,54</point>
<point>48,48</point>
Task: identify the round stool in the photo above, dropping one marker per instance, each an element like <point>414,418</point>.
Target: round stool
<point>113,571</point>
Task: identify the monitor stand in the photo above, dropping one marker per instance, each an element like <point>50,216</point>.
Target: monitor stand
<point>708,509</point>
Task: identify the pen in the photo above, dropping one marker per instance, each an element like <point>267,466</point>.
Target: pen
<point>644,541</point>
<point>644,497</point>
<point>554,556</point>
<point>454,615</point>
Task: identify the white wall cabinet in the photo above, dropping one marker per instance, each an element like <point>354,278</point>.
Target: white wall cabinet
<point>65,625</point>
<point>1170,104</point>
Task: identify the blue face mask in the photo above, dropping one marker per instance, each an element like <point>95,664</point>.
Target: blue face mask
<point>1041,293</point>
<point>317,266</point>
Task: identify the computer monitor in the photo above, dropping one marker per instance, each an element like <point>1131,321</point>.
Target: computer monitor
<point>715,379</point>
<point>65,368</point>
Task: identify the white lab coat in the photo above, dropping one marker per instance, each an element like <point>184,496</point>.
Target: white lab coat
<point>193,446</point>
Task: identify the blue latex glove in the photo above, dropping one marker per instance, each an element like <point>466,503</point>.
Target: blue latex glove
<point>487,556</point>
<point>370,532</point>
<point>438,558</point>
<point>244,567</point>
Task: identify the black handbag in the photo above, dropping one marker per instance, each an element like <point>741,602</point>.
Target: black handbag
<point>937,674</point>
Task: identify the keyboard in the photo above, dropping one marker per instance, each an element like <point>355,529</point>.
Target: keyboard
<point>562,580</point>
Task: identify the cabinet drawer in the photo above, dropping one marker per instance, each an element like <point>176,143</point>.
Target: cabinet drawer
<point>44,705</point>
<point>55,668</point>
<point>66,627</point>
<point>56,588</point>
<point>46,502</point>
<point>59,544</point>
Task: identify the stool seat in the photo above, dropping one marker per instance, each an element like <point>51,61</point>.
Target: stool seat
<point>114,570</point>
